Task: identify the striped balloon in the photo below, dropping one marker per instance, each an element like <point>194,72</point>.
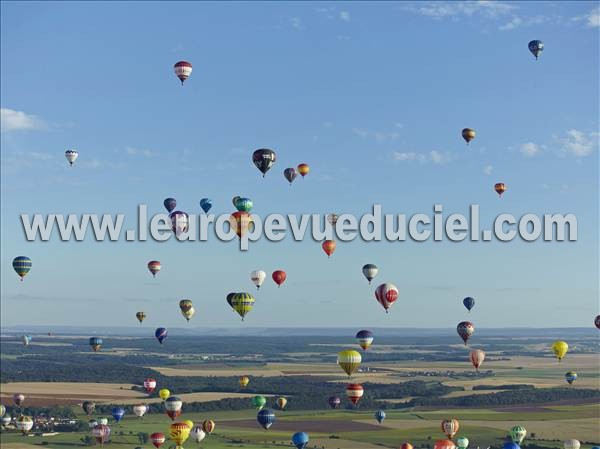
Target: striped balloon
<point>477,356</point>
<point>242,303</point>
<point>450,427</point>
<point>386,294</point>
<point>208,426</point>
<point>22,265</point>
<point>370,271</point>
<point>364,338</point>
<point>95,343</point>
<point>571,377</point>
<point>465,329</point>
<point>354,392</point>
<point>183,70</point>
<point>349,360</point>
<point>154,267</point>
<point>71,156</point>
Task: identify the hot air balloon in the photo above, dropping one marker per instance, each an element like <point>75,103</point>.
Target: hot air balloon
<point>197,433</point>
<point>349,360</point>
<point>189,423</point>
<point>243,204</point>
<point>386,294</point>
<point>95,343</point>
<point>469,303</point>
<point>170,204</point>
<point>364,339</point>
<point>154,267</point>
<point>500,188</point>
<point>187,309</point>
<point>179,222</point>
<point>6,420</point>
<point>536,47</point>
<point>22,265</point>
<point>244,380</point>
<point>303,169</point>
<point>462,443</point>
<point>102,433</point>
<point>234,200</point>
<point>141,316</point>
<point>406,445</point>
<point>140,410</point>
<point>118,413</point>
<point>571,444</point>
<point>205,204</point>
<point>444,444</point>
<point>183,70</point>
<point>379,416</point>
<point>468,134</point>
<point>354,392</point>
<point>242,303</point>
<point>92,423</point>
<point>465,329</point>
<point>2,410</point>
<point>560,349</point>
<point>88,407</point>
<point>281,402</point>
<point>157,439</point>
<point>266,418</point>
<point>240,222</point>
<point>208,426</point>
<point>161,334</point>
<point>290,174</point>
<point>26,340</point>
<point>173,407</point>
<point>300,440</point>
<point>279,277</point>
<point>332,219</point>
<point>179,433</point>
<point>510,445</point>
<point>71,156</point>
<point>24,424</point>
<point>571,377</point>
<point>258,277</point>
<point>264,159</point>
<point>477,356</point>
<point>334,401</point>
<point>370,271</point>
<point>450,427</point>
<point>103,421</point>
<point>329,247</point>
<point>164,394</point>
<point>597,321</point>
<point>230,298</point>
<point>18,399</point>
<point>259,402</point>
<point>150,385</point>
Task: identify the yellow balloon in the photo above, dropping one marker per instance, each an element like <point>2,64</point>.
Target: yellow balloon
<point>560,349</point>
<point>164,394</point>
<point>244,380</point>
<point>349,360</point>
<point>190,423</point>
<point>179,432</point>
<point>281,402</point>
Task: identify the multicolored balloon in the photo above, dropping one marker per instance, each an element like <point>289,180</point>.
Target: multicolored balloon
<point>197,433</point>
<point>386,294</point>
<point>157,439</point>
<point>349,360</point>
<point>258,277</point>
<point>18,399</point>
<point>187,309</point>
<point>2,410</point>
<point>241,222</point>
<point>180,222</point>
<point>71,156</point>
<point>154,267</point>
<point>560,349</point>
<point>206,204</point>
<point>469,303</point>
<point>597,321</point>
<point>26,340</point>
<point>364,338</point>
<point>242,303</point>
<point>279,277</point>
<point>150,385</point>
<point>88,407</point>
<point>354,392</point>
<point>406,445</point>
<point>230,298</point>
<point>161,334</point>
<point>243,204</point>
<point>95,343</point>
<point>450,427</point>
<point>103,421</point>
<point>102,433</point>
<point>170,204</point>
<point>370,271</point>
<point>22,265</point>
<point>183,70</point>
<point>329,247</point>
<point>465,329</point>
<point>468,134</point>
<point>477,357</point>
<point>281,402</point>
<point>173,406</point>
<point>179,433</point>
<point>264,159</point>
<point>141,316</point>
<point>571,377</point>
<point>208,426</point>
<point>290,174</point>
<point>266,418</point>
<point>536,48</point>
<point>379,416</point>
<point>92,423</point>
<point>334,401</point>
<point>500,188</point>
<point>300,440</point>
<point>462,443</point>
<point>303,169</point>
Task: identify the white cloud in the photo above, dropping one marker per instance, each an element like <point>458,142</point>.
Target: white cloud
<point>433,156</point>
<point>442,9</point>
<point>511,25</point>
<point>488,169</point>
<point>296,23</point>
<point>135,152</point>
<point>578,143</point>
<point>345,16</point>
<point>591,19</point>
<point>530,149</point>
<point>378,136</point>
<point>11,120</point>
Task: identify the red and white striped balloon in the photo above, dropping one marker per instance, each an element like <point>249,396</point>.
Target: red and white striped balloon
<point>386,294</point>
<point>183,70</point>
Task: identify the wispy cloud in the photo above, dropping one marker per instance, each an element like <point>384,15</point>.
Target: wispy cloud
<point>488,169</point>
<point>296,23</point>
<point>11,120</point>
<point>442,9</point>
<point>345,16</point>
<point>435,157</point>
<point>140,152</point>
<point>378,136</point>
<point>578,143</point>
<point>530,149</point>
<point>591,19</point>
<point>511,25</point>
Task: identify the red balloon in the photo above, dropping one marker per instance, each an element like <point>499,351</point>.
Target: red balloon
<point>354,392</point>
<point>406,445</point>
<point>444,444</point>
<point>157,439</point>
<point>329,247</point>
<point>279,277</point>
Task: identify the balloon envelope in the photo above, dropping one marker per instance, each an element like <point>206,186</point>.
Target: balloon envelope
<point>266,418</point>
<point>469,303</point>
<point>205,204</point>
<point>22,265</point>
<point>300,440</point>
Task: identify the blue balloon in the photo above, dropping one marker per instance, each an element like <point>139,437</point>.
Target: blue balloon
<point>170,204</point>
<point>469,303</point>
<point>300,440</point>
<point>536,47</point>
<point>118,413</point>
<point>511,445</point>
<point>205,204</point>
<point>161,334</point>
<point>379,416</point>
<point>266,418</point>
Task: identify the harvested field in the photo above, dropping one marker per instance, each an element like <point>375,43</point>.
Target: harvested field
<point>317,426</point>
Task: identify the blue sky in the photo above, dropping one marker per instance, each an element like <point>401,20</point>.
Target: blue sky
<point>372,95</point>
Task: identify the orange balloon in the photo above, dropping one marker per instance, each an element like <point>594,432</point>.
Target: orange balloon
<point>444,444</point>
<point>406,445</point>
<point>329,247</point>
<point>240,221</point>
<point>500,188</point>
<point>303,169</point>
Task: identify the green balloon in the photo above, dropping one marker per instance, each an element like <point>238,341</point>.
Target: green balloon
<point>462,443</point>
<point>259,402</point>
